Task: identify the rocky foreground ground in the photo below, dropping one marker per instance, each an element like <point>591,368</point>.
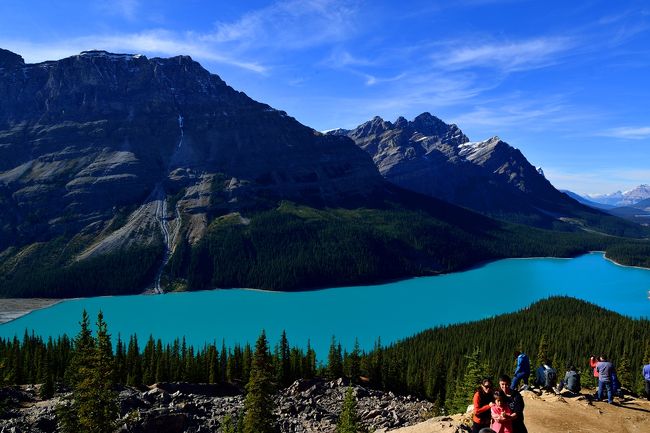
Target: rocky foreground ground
<point>313,406</point>
<point>550,413</point>
<point>305,406</point>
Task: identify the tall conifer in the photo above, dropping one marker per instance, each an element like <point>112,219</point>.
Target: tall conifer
<point>348,419</point>
<point>259,399</point>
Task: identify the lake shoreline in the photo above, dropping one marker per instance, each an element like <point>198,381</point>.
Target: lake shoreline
<point>15,308</point>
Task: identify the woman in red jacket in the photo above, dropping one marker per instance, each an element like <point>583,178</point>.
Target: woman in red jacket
<point>483,401</point>
<point>592,363</point>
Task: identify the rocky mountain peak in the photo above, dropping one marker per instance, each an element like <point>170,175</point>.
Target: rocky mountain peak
<point>428,124</point>
<point>89,134</point>
<point>9,60</point>
<point>401,122</point>
<point>431,157</point>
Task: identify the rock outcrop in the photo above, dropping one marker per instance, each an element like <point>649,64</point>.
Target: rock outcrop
<point>305,406</point>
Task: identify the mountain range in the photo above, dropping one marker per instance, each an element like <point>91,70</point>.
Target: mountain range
<point>622,198</point>
<point>491,177</point>
<point>120,172</point>
<point>633,205</point>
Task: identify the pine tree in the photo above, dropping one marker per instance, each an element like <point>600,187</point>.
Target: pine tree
<point>542,351</point>
<point>77,371</point>
<point>227,425</point>
<point>133,363</point>
<point>475,371</point>
<point>309,363</point>
<point>334,361</point>
<point>348,420</point>
<point>259,399</point>
<point>284,361</point>
<point>354,369</point>
<point>624,372</point>
<point>97,403</point>
<point>93,408</point>
<point>83,347</point>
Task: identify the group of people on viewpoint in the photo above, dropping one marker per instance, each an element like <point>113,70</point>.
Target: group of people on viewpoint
<point>502,410</point>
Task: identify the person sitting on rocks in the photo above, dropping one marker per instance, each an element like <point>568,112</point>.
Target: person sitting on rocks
<point>546,377</point>
<point>571,381</point>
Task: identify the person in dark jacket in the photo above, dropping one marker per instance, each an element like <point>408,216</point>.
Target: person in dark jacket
<point>571,381</point>
<point>516,403</point>
<point>483,402</point>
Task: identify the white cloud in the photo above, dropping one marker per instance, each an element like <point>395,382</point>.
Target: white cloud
<point>627,132</point>
<point>127,9</point>
<point>506,56</point>
<point>155,42</point>
<point>289,24</point>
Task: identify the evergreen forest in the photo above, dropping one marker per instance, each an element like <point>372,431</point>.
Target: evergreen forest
<point>443,364</point>
<point>289,246</point>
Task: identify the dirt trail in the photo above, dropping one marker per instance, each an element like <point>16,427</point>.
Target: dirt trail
<point>555,414</point>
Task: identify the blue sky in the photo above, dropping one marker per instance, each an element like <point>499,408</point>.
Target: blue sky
<point>566,82</point>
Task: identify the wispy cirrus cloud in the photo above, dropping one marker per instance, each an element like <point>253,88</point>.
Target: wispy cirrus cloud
<point>509,56</point>
<point>289,24</point>
<point>153,42</point>
<point>285,25</point>
<point>127,9</point>
<point>627,132</point>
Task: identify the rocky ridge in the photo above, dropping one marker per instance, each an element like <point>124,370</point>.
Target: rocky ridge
<point>305,406</point>
<point>431,157</point>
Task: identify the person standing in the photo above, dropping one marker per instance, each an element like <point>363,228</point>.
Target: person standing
<point>592,363</point>
<point>605,378</point>
<point>646,377</point>
<point>522,371</point>
<point>483,401</point>
<point>516,404</point>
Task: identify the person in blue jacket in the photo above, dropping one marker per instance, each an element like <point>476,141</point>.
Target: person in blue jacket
<point>522,371</point>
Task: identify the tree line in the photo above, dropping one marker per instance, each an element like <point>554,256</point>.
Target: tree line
<point>443,364</point>
<point>295,247</point>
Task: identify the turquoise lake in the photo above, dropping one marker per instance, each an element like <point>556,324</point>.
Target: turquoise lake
<point>393,311</point>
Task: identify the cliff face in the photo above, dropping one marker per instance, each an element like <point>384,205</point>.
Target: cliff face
<point>101,153</point>
<point>87,135</point>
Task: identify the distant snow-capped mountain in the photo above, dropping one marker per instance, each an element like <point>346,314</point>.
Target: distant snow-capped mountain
<point>625,198</point>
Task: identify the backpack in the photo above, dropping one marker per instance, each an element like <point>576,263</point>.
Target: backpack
<point>550,377</point>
